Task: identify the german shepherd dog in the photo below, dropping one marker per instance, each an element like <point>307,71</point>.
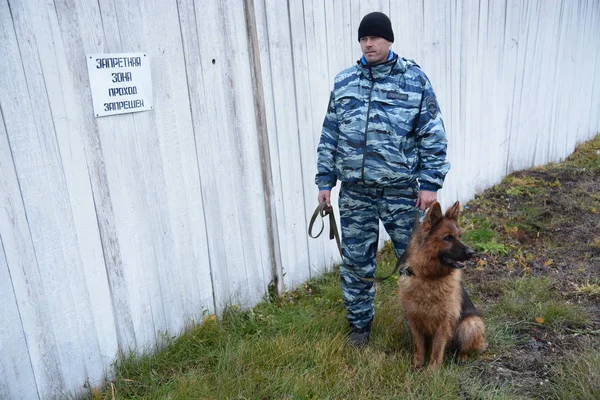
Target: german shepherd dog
<point>435,303</point>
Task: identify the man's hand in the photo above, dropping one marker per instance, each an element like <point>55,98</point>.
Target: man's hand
<point>425,199</point>
<point>325,195</point>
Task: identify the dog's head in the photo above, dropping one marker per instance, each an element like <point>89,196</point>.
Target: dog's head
<point>439,235</point>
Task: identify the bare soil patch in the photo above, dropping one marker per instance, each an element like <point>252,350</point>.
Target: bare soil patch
<point>545,222</point>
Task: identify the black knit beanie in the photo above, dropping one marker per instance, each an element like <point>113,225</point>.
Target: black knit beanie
<point>376,24</point>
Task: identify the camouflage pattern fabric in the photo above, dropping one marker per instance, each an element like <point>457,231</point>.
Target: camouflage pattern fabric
<point>361,208</point>
<point>383,128</point>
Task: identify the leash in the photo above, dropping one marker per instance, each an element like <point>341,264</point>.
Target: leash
<point>323,210</point>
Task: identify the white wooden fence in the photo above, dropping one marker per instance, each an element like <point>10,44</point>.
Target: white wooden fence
<point>117,230</point>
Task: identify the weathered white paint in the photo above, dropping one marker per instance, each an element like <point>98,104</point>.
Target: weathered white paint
<point>119,230</point>
<point>76,176</point>
<point>228,153</point>
<point>277,62</point>
<point>22,365</point>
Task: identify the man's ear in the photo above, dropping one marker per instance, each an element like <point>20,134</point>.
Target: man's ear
<point>433,217</point>
<point>452,212</point>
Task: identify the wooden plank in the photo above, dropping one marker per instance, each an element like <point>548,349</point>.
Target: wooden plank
<point>542,95</point>
<point>594,37</point>
<point>137,202</point>
<point>567,73</point>
<point>349,37</point>
<point>170,230</point>
<point>473,93</point>
<point>508,79</point>
<point>250,202</point>
<point>589,59</point>
<point>589,67</point>
<point>459,116</point>
<point>263,146</point>
<point>39,169</point>
<point>76,35</point>
<point>524,148</point>
<point>75,168</point>
<point>452,117</point>
<point>276,196</point>
<point>579,61</point>
<point>338,59</point>
<point>515,160</point>
<point>435,56</point>
<point>300,25</point>
<point>285,147</point>
<point>24,369</point>
<point>320,85</point>
<point>495,101</point>
<point>408,22</point>
<point>166,146</point>
<point>227,143</point>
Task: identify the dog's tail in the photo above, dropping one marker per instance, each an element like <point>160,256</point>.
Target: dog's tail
<point>469,337</point>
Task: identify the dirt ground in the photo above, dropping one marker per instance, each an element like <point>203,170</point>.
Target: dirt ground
<point>549,219</point>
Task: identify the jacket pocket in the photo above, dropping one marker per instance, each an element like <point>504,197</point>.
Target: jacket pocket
<point>349,108</point>
<point>396,116</point>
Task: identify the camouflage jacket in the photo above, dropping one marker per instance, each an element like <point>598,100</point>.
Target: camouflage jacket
<point>383,128</point>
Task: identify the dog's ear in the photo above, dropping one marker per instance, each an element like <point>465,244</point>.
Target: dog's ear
<point>433,217</point>
<point>452,212</point>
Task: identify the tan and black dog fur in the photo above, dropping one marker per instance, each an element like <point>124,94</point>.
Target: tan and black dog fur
<point>432,296</point>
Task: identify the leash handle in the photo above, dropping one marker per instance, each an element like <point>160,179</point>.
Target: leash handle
<point>322,211</point>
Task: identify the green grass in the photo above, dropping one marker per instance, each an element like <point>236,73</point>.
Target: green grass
<point>586,156</point>
<point>530,301</point>
<point>589,289</point>
<point>294,346</point>
<point>480,235</point>
<point>577,376</point>
<point>484,239</point>
<point>528,187</point>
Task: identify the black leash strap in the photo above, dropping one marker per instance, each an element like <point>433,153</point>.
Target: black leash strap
<point>323,210</point>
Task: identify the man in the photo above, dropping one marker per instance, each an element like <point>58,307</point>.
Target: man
<point>384,139</point>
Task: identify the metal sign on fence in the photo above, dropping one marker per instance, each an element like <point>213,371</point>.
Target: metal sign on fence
<point>120,83</point>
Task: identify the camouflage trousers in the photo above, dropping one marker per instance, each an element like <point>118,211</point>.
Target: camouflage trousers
<point>361,208</point>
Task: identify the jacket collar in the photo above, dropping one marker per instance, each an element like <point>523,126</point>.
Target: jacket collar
<point>382,70</point>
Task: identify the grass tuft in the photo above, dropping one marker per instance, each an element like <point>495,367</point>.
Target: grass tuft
<point>485,240</point>
<point>577,376</point>
<point>531,301</point>
<point>586,156</point>
<point>588,289</point>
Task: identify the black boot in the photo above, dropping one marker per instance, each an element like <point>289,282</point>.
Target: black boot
<point>358,337</point>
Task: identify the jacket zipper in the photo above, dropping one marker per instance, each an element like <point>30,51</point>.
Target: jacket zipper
<point>367,122</point>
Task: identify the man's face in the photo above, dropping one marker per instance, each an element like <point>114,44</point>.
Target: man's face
<point>375,49</point>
